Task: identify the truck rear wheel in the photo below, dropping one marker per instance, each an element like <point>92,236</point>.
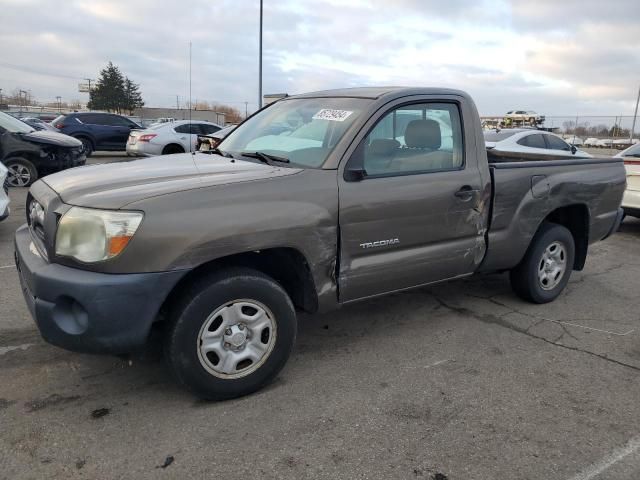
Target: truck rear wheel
<point>545,269</point>
<point>230,333</point>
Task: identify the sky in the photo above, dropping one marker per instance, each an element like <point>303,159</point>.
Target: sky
<point>560,57</point>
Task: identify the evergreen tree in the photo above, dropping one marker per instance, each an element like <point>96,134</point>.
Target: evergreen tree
<point>133,97</point>
<point>114,92</point>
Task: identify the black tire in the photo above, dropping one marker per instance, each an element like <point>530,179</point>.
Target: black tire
<point>22,172</point>
<point>524,278</point>
<point>171,149</point>
<point>194,307</point>
<point>88,146</point>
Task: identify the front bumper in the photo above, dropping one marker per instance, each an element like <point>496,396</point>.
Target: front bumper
<point>88,311</point>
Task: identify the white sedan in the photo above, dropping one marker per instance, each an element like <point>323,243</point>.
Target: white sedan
<point>530,142</point>
<point>631,199</point>
<point>4,193</point>
<point>169,137</point>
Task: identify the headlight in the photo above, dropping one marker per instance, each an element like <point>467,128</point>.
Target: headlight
<point>90,235</point>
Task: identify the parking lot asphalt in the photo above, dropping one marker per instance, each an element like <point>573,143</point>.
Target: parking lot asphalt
<point>455,381</point>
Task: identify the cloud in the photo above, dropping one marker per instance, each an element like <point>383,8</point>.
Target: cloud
<point>555,57</point>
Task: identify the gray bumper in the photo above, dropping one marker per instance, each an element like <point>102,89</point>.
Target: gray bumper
<point>87,311</point>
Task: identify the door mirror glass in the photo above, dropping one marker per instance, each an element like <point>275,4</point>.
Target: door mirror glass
<point>573,149</point>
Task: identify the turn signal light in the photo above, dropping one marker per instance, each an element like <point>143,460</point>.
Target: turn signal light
<point>117,244</point>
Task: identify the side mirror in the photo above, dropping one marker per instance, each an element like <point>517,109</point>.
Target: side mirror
<point>573,149</point>
<point>355,174</point>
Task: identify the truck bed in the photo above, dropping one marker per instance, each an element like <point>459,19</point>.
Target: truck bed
<point>525,192</point>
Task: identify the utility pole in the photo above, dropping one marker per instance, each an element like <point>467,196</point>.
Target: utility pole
<point>59,99</point>
<point>246,109</point>
<point>260,62</point>
<point>635,114</point>
<point>177,102</point>
<point>20,92</point>
<point>0,96</point>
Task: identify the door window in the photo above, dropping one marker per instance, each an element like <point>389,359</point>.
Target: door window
<point>187,128</point>
<point>206,128</point>
<point>418,138</point>
<point>556,143</point>
<point>534,141</point>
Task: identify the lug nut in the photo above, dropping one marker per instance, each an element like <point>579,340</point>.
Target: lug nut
<point>227,344</point>
<point>241,326</point>
<point>227,331</point>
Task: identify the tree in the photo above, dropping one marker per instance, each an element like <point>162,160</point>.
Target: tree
<point>133,97</point>
<point>114,92</point>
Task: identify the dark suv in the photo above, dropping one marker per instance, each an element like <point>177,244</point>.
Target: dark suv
<point>97,131</point>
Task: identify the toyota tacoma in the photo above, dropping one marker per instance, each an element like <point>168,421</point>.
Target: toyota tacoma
<point>314,202</point>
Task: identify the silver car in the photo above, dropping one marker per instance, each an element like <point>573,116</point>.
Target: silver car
<point>168,137</point>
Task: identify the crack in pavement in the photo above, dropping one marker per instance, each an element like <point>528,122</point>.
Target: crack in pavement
<point>498,320</point>
<point>543,319</point>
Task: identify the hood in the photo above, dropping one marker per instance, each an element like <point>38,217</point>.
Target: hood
<point>52,138</point>
<point>115,185</point>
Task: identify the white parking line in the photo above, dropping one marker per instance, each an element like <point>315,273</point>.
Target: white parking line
<point>8,266</point>
<point>439,362</point>
<point>614,457</point>
<point>594,329</point>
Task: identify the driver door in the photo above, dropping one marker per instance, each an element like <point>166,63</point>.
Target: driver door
<point>413,215</point>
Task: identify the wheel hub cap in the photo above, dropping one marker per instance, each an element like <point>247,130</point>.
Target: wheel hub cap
<point>236,339</point>
<point>553,265</point>
<point>19,175</point>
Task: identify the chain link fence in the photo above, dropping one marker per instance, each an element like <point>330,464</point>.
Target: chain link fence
<point>598,132</point>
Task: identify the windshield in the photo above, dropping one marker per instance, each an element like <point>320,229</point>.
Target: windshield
<point>303,130</point>
<point>13,125</point>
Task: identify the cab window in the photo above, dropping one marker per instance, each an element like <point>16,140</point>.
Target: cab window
<point>417,138</point>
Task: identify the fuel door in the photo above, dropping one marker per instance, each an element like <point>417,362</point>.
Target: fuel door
<point>540,186</point>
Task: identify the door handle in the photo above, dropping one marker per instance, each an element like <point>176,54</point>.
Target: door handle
<point>466,193</point>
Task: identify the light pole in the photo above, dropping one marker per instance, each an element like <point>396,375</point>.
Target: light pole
<point>20,92</point>
<point>635,114</point>
<point>59,99</point>
<point>260,63</point>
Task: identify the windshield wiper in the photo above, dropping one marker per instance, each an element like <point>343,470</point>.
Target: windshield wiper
<point>265,157</point>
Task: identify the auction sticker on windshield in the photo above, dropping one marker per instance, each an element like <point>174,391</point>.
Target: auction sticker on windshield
<point>334,115</point>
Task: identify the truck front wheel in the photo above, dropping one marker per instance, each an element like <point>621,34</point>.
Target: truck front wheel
<point>230,333</point>
<point>545,269</point>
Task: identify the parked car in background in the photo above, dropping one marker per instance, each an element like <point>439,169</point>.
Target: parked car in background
<point>97,131</point>
<point>590,142</point>
<point>631,199</point>
<point>38,124</point>
<point>169,137</point>
<point>207,143</point>
<point>573,140</point>
<point>4,192</point>
<point>525,116</point>
<point>529,143</point>
<point>604,143</point>
<point>29,154</point>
